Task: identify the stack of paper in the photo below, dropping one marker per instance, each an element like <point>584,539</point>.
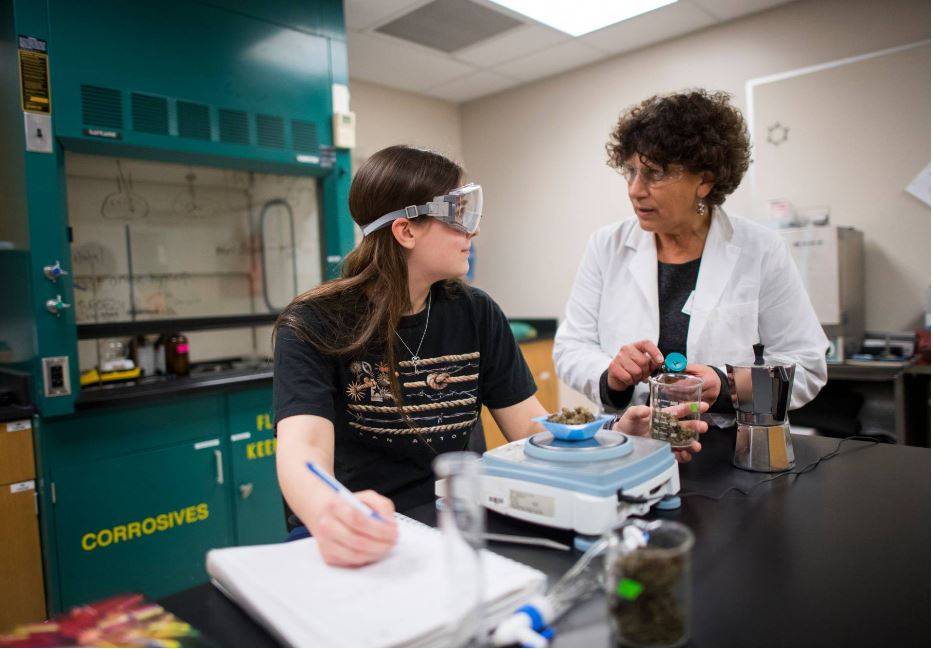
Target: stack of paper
<point>403,600</point>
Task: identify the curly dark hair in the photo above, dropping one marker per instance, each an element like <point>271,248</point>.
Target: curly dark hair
<point>698,129</point>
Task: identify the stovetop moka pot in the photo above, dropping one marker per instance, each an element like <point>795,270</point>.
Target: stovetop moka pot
<point>761,395</point>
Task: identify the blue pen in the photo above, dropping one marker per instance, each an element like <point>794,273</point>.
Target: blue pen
<point>343,492</point>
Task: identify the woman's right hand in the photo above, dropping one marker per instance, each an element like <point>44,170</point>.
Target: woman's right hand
<point>349,538</point>
<point>634,363</point>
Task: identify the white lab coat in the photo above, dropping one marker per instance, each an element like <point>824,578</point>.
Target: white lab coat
<point>748,290</point>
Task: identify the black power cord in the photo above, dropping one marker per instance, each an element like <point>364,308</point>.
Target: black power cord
<point>637,500</point>
<point>791,472</point>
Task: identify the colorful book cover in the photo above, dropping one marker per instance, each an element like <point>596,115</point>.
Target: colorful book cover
<point>121,621</point>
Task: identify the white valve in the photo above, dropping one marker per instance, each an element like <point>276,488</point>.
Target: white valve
<point>57,305</point>
<point>54,271</point>
<point>526,627</point>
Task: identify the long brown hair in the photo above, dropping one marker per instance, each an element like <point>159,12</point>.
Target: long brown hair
<point>362,308</point>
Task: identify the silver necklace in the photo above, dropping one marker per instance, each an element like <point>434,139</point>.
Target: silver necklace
<point>415,354</point>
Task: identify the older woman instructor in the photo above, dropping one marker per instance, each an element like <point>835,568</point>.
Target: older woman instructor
<point>683,276</point>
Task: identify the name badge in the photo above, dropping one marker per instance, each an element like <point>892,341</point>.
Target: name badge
<point>688,304</point>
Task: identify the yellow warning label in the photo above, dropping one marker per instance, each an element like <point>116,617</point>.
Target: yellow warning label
<point>34,75</point>
<point>145,527</point>
<point>263,421</point>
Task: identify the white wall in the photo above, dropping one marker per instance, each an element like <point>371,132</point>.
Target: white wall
<point>385,116</point>
<point>859,132</point>
<point>539,152</point>
<point>538,149</point>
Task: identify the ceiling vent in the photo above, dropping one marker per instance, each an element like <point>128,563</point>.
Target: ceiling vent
<point>449,25</point>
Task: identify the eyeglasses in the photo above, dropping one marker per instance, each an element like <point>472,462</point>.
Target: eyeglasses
<point>650,176</point>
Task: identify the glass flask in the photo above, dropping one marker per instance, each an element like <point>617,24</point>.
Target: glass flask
<point>462,521</point>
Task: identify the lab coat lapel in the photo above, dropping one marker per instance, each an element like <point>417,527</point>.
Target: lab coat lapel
<point>644,269</point>
<point>719,258</point>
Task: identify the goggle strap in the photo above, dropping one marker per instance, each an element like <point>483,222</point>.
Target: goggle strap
<point>410,212</point>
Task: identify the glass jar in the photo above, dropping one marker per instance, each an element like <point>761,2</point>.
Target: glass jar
<point>462,521</point>
<point>176,354</point>
<point>675,408</point>
<point>113,355</point>
<point>648,583</point>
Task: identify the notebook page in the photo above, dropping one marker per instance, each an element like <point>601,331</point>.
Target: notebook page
<point>393,602</point>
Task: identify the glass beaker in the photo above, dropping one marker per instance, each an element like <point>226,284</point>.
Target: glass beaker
<point>675,408</point>
<point>462,521</point>
<point>648,584</point>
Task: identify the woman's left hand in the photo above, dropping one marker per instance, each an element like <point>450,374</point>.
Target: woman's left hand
<point>712,385</point>
<point>636,419</point>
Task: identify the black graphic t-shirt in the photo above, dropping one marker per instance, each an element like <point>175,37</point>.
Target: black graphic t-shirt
<point>468,359</point>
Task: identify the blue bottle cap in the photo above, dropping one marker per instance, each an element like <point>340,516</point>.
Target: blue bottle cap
<point>675,362</point>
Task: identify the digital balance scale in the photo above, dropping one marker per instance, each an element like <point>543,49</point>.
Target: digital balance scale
<point>587,486</point>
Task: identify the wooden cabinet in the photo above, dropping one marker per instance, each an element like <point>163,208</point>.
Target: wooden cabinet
<point>538,355</point>
<point>22,595</point>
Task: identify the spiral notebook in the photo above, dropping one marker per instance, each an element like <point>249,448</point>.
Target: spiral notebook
<point>399,601</point>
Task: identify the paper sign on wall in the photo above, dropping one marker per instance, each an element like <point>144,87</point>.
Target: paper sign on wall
<point>919,187</point>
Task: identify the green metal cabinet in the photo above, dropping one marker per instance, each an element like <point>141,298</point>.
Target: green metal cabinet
<point>224,83</point>
<point>115,466</point>
<point>260,515</point>
<point>143,521</point>
<point>136,496</point>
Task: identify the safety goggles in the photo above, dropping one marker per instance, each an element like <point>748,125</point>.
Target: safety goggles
<point>461,209</point>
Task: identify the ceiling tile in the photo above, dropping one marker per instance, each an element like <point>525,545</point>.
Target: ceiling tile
<point>366,14</point>
<point>472,86</point>
<point>729,9</point>
<point>384,60</point>
<point>511,45</point>
<point>669,21</point>
<point>561,57</point>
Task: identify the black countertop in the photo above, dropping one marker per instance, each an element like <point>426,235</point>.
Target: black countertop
<point>160,387</point>
<point>151,389</point>
<point>837,556</point>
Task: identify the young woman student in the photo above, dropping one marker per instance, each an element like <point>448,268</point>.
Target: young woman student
<point>381,370</point>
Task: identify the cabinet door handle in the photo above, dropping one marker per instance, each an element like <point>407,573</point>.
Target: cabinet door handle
<point>219,459</point>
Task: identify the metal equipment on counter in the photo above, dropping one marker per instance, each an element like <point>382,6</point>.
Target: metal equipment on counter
<point>831,264</point>
<point>587,486</point>
<point>761,395</point>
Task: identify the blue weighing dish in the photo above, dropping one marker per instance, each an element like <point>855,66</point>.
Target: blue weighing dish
<point>573,432</point>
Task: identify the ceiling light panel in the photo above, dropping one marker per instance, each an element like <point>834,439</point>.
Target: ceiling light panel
<point>581,16</point>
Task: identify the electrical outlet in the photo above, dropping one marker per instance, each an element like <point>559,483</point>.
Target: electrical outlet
<point>56,376</point>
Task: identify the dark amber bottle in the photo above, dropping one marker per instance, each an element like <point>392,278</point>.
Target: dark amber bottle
<point>176,355</point>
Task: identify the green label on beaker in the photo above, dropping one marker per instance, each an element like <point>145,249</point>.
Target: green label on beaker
<point>629,589</point>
